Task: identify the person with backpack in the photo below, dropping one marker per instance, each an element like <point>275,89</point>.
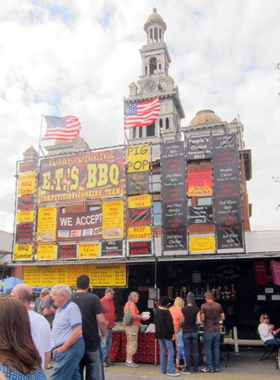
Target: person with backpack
<point>132,319</point>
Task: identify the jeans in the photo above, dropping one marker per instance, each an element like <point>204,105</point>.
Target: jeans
<point>166,345</point>
<point>212,350</point>
<point>106,344</point>
<point>191,339</point>
<point>92,360</point>
<point>273,342</point>
<point>66,366</point>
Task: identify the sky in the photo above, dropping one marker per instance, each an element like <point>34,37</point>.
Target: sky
<point>78,57</point>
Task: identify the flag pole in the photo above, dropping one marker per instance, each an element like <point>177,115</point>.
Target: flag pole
<point>39,145</point>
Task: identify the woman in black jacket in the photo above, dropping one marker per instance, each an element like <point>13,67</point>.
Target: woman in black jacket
<point>164,333</point>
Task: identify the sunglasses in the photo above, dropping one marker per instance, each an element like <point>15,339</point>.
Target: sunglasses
<point>265,318</point>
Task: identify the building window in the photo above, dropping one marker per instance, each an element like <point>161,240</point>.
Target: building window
<point>62,210</point>
<point>134,133</point>
<point>189,201</point>
<point>160,35</point>
<point>156,185</point>
<point>156,35</point>
<point>153,65</point>
<point>157,213</point>
<point>140,132</point>
<point>146,70</point>
<point>204,201</point>
<point>150,130</point>
<point>93,208</point>
<point>167,123</point>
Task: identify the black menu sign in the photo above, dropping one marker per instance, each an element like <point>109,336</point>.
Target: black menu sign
<point>112,248</point>
<point>230,237</point>
<point>228,210</point>
<point>173,185</point>
<point>138,183</point>
<point>137,248</point>
<point>199,148</point>
<point>139,217</point>
<point>67,251</point>
<point>200,214</point>
<point>24,232</point>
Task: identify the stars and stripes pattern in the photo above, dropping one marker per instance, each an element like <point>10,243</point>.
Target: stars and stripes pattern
<point>62,128</point>
<point>138,114</point>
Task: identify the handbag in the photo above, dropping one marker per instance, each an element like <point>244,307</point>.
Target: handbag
<point>127,317</point>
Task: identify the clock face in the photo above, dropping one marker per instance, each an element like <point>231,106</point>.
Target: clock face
<point>150,85</point>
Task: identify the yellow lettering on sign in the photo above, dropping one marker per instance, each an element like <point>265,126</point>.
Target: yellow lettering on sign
<point>139,232</point>
<point>138,158</point>
<point>46,252</point>
<point>202,244</point>
<point>86,251</point>
<point>26,183</point>
<point>23,252</point>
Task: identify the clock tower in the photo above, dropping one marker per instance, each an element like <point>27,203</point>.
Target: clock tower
<point>156,81</point>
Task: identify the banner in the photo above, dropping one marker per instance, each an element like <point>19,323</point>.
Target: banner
<point>24,232</point>
<point>173,185</point>
<point>199,148</point>
<point>46,252</point>
<point>202,244</point>
<point>112,248</point>
<point>66,251</point>
<point>200,184</point>
<point>88,251</point>
<point>140,217</point>
<point>101,275</point>
<point>98,174</point>
<point>139,201</point>
<point>140,248</point>
<point>137,183</point>
<point>137,158</point>
<point>228,210</point>
<point>23,252</point>
<point>25,216</point>
<point>138,233</point>
<point>27,166</point>
<point>200,214</point>
<point>230,237</point>
<point>46,227</point>
<point>26,183</point>
<point>26,202</point>
<point>113,220</point>
<point>83,225</point>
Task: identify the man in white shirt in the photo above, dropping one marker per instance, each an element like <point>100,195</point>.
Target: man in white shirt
<point>40,328</point>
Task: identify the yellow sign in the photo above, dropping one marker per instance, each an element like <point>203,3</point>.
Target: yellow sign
<point>46,252</point>
<point>87,251</point>
<point>202,244</point>
<point>25,216</point>
<point>101,275</point>
<point>137,158</point>
<point>112,222</point>
<point>26,183</point>
<point>23,252</point>
<point>46,229</point>
<point>138,201</point>
<point>139,232</point>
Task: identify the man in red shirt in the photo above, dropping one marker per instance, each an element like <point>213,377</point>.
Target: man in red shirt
<point>109,311</point>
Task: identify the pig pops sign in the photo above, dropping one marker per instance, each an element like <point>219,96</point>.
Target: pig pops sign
<point>138,158</point>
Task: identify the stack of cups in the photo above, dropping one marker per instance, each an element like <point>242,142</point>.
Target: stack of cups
<point>146,315</point>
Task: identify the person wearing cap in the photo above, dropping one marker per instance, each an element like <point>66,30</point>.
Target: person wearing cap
<point>92,318</point>
<point>164,333</point>
<point>211,314</point>
<point>109,312</point>
<point>189,320</point>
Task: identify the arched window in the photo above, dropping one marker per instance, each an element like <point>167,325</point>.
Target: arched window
<point>167,123</point>
<point>153,65</point>
<point>151,130</point>
<point>160,123</point>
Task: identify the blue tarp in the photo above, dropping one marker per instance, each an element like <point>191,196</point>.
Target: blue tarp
<point>10,283</point>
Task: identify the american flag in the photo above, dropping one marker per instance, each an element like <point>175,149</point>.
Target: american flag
<point>137,114</point>
<point>62,128</point>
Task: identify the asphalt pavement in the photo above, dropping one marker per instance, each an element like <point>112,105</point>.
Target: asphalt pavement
<point>243,366</point>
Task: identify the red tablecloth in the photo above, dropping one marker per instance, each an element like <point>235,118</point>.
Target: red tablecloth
<point>146,348</point>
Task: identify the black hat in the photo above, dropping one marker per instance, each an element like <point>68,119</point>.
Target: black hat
<point>165,301</point>
<point>190,298</point>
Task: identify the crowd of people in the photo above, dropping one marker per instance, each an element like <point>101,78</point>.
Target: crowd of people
<point>75,329</point>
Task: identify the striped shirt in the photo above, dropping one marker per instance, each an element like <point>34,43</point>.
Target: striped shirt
<point>66,318</point>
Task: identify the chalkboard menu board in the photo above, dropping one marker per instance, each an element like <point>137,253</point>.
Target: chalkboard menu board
<point>24,232</point>
<point>138,183</point>
<point>173,194</point>
<point>67,251</point>
<point>112,248</point>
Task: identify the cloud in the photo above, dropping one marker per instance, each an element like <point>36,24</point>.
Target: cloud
<point>61,57</point>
